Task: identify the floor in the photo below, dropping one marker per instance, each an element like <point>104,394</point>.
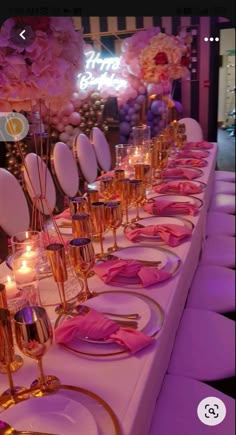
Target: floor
<point>226,151</point>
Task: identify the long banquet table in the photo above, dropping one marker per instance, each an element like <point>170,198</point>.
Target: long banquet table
<point>130,384</point>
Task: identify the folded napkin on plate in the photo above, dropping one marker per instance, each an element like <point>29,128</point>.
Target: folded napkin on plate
<point>187,162</point>
<point>48,239</point>
<point>108,270</point>
<point>184,187</point>
<point>201,145</point>
<point>161,206</point>
<point>172,234</point>
<point>190,174</point>
<point>64,214</point>
<point>197,154</point>
<point>98,327</point>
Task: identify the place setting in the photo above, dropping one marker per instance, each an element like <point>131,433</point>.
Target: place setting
<point>47,407</point>
<point>183,187</point>
<point>188,162</point>
<point>161,230</point>
<point>187,173</point>
<point>168,205</point>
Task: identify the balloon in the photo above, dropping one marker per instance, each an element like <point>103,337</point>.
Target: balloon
<point>141,90</point>
<point>75,96</point>
<point>131,111</point>
<point>74,118</point>
<point>155,107</point>
<point>69,129</point>
<point>141,99</point>
<point>125,128</point>
<point>178,106</point>
<point>65,120</point>
<point>54,120</point>
<point>64,137</point>
<point>60,127</point>
<point>68,109</point>
<point>137,107</point>
<point>122,139</point>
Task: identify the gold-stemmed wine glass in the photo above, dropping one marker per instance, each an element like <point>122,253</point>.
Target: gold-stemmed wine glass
<point>82,257</point>
<point>107,187</point>
<point>57,259</point>
<point>113,216</point>
<point>92,195</point>
<point>82,225</point>
<point>137,193</point>
<point>77,205</point>
<point>34,336</point>
<point>7,358</point>
<point>99,223</point>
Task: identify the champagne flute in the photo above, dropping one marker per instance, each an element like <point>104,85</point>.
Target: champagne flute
<point>57,260</point>
<point>113,216</point>
<point>118,175</point>
<point>34,336</point>
<point>82,257</point>
<point>143,172</point>
<point>92,195</point>
<point>136,195</point>
<point>123,187</point>
<point>99,223</point>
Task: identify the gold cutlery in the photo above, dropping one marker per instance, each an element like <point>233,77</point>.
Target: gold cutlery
<point>83,310</point>
<point>6,429</point>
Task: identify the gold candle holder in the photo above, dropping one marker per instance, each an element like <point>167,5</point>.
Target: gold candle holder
<point>57,260</point>
<point>7,358</point>
<point>15,361</point>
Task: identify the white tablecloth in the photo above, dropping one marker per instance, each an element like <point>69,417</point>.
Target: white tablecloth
<point>131,384</point>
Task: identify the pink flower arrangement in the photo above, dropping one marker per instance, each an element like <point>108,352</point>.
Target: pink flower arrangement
<point>47,69</point>
<point>155,58</point>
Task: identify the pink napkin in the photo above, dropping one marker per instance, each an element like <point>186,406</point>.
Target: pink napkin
<point>161,206</point>
<point>172,234</point>
<point>108,270</point>
<point>198,154</point>
<point>190,174</point>
<point>48,239</point>
<point>201,145</point>
<point>97,327</point>
<point>65,214</point>
<point>187,162</point>
<point>184,187</point>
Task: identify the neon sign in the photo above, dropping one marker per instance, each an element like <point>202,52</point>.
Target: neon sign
<point>100,73</point>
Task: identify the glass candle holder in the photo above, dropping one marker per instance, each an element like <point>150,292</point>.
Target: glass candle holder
<point>141,134</point>
<point>121,151</point>
<point>26,278</point>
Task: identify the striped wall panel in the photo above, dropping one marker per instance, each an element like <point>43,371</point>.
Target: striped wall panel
<point>107,33</point>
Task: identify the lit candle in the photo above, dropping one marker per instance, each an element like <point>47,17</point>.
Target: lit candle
<point>10,286</point>
<point>29,253</point>
<point>25,274</point>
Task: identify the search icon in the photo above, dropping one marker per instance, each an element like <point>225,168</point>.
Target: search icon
<point>211,411</point>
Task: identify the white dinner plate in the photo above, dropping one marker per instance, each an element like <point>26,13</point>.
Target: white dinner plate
<point>56,413</point>
<point>119,303</point>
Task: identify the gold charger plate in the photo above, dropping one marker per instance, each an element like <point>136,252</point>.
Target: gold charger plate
<point>105,419</point>
<point>156,220</point>
<point>167,175</point>
<point>198,183</point>
<point>154,325</point>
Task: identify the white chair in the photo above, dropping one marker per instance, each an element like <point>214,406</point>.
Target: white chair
<point>225,176</point>
<point>176,409</point>
<point>223,203</point>
<point>213,289</point>
<point>219,251</point>
<point>224,187</point>
<point>14,211</point>
<point>86,156</point>
<point>39,184</point>
<point>204,347</point>
<point>65,169</point>
<point>193,129</point>
<point>102,149</point>
<point>220,224</point>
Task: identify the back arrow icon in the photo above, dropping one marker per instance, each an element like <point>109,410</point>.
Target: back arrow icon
<point>22,34</point>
